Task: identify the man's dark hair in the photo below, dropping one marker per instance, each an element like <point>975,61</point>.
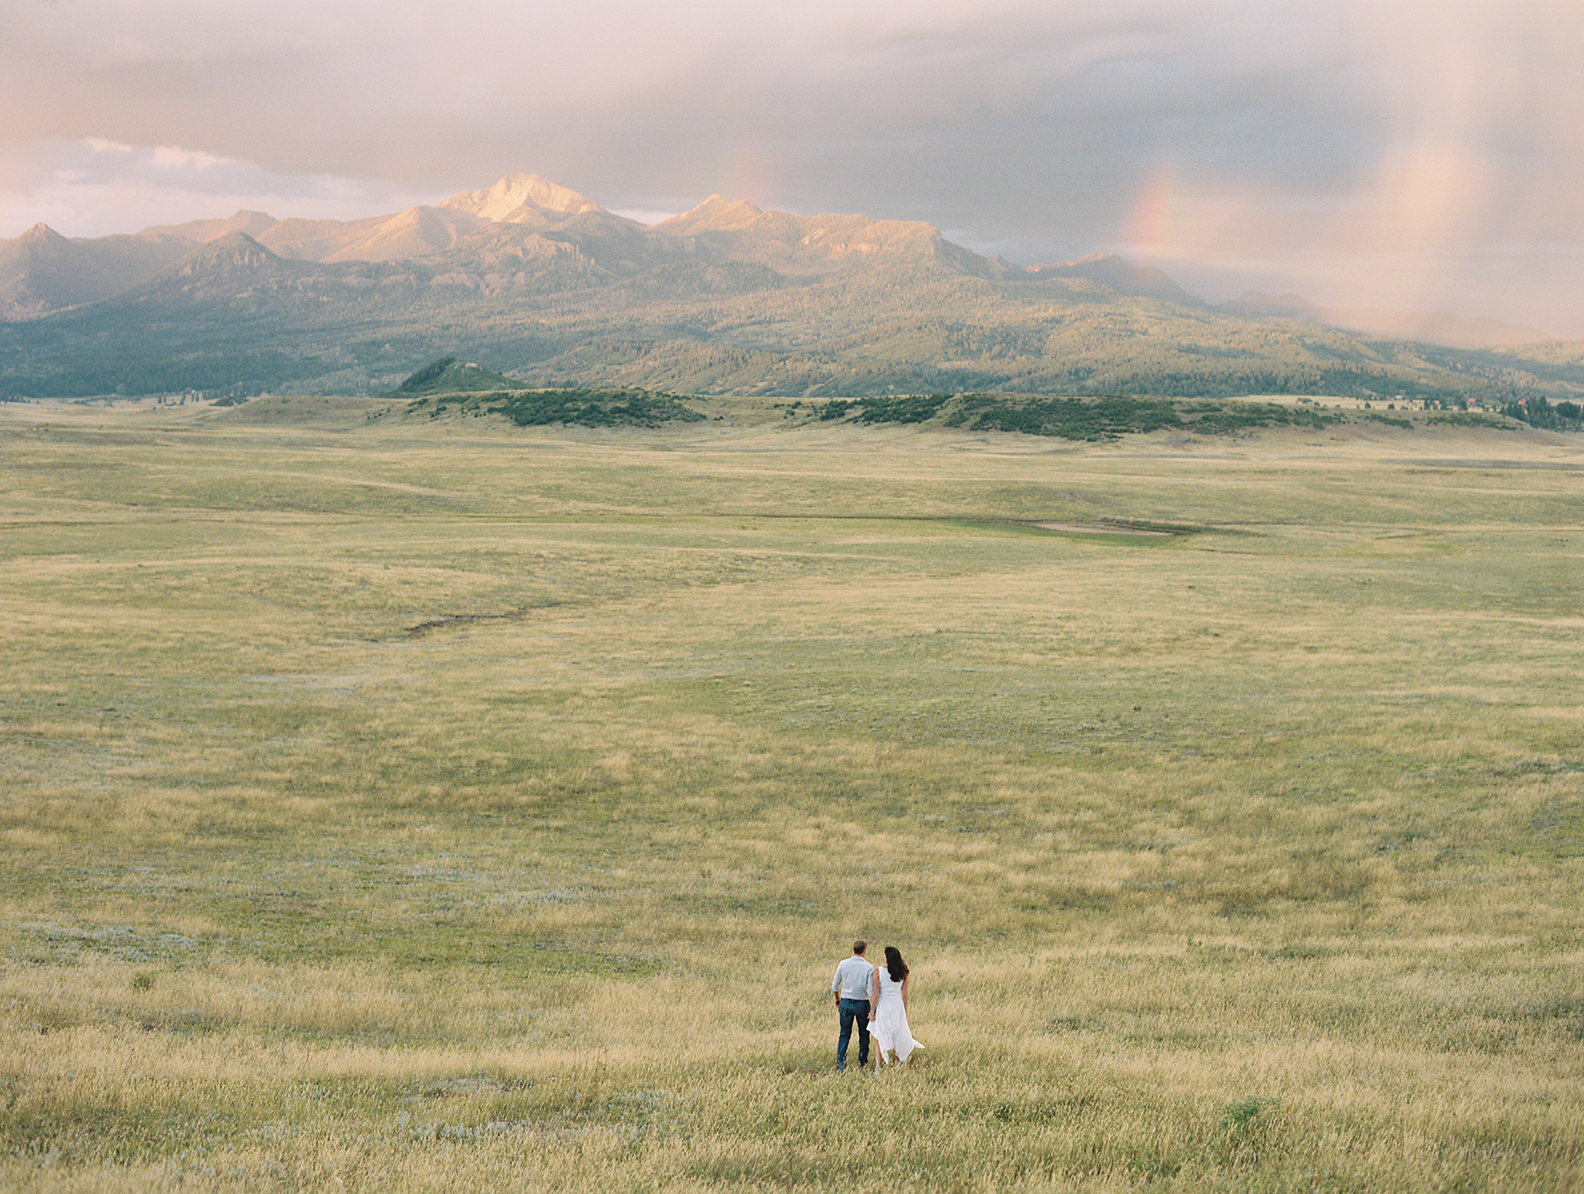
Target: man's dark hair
<point>860,946</point>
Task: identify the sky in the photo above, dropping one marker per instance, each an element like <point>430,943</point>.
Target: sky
<point>1395,154</point>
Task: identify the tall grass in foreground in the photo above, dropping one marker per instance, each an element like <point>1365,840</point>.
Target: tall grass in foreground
<point>479,810</point>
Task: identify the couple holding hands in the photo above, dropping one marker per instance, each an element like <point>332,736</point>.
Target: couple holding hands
<point>876,998</point>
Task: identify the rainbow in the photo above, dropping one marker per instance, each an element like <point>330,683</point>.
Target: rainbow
<point>1151,224</point>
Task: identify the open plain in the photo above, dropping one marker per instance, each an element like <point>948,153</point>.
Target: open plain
<point>441,805</point>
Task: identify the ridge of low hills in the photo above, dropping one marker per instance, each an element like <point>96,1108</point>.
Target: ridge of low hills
<point>464,388</point>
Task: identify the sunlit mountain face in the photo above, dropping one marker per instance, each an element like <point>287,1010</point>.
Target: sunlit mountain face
<point>543,284</point>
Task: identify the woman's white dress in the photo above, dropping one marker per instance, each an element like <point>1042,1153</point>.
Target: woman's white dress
<point>889,1028</point>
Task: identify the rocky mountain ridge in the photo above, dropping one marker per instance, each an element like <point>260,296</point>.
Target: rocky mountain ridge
<point>42,271</point>
<point>522,215</point>
<point>544,284</point>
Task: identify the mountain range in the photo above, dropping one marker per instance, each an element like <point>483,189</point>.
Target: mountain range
<point>546,285</point>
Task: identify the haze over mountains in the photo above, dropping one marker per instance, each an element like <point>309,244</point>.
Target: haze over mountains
<point>540,281</point>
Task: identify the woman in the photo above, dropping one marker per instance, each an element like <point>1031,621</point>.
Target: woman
<point>888,1023</point>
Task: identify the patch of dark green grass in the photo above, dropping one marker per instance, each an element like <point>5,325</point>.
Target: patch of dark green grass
<point>580,407</point>
<point>1088,418</point>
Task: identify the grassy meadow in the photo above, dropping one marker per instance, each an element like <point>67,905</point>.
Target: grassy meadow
<point>438,805</point>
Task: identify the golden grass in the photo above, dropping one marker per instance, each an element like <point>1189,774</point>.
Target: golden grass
<point>445,808</point>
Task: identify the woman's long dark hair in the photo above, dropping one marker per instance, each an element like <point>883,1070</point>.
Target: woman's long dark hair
<point>895,966</point>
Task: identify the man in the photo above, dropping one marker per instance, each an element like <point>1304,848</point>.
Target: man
<point>850,988</point>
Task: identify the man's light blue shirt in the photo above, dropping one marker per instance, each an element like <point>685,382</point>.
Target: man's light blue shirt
<point>854,978</point>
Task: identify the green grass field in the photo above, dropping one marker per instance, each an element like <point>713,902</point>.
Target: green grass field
<point>439,805</point>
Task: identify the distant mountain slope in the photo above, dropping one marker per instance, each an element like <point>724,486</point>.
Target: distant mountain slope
<point>226,270</point>
<point>813,244</point>
<point>1426,327</point>
<point>42,271</point>
<point>1110,271</point>
<point>725,298</point>
<point>254,223</point>
<point>416,232</point>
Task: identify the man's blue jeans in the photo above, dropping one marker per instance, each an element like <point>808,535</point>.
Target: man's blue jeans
<point>850,1010</point>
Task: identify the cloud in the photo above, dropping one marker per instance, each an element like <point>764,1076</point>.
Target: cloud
<point>408,89</point>
<point>95,187</point>
<point>1270,139</point>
